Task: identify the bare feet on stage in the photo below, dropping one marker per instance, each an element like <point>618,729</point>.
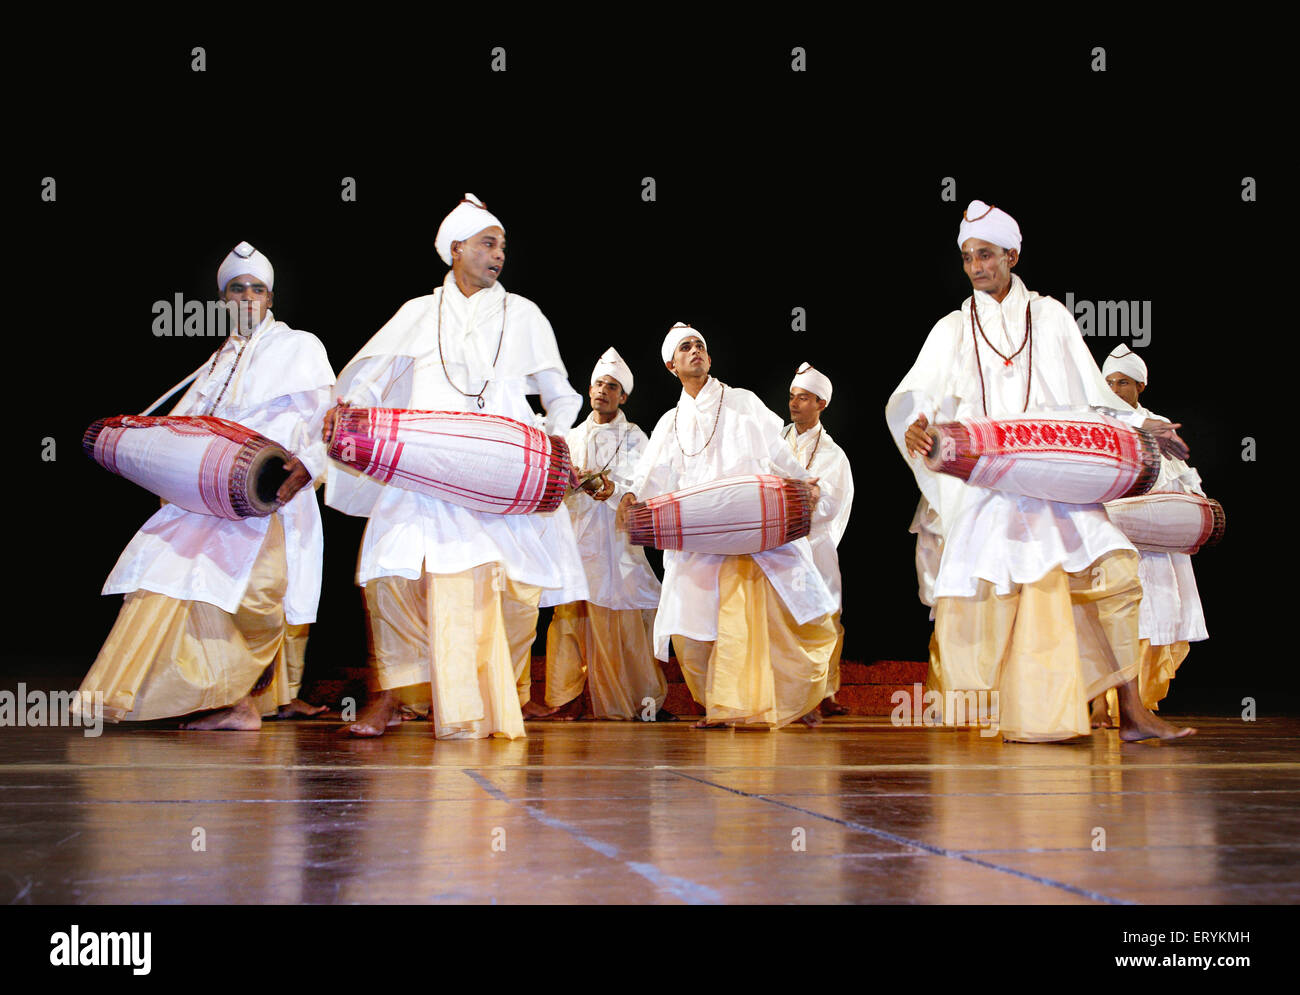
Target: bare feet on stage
<point>831,707</point>
<point>812,719</point>
<point>298,709</point>
<point>382,712</point>
<point>533,710</point>
<point>569,712</point>
<point>241,716</point>
<point>1101,713</point>
<point>1137,723</point>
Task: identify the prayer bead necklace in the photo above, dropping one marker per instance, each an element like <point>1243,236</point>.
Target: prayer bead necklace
<point>1006,360</point>
<point>816,446</point>
<point>233,366</point>
<point>501,338</point>
<point>716,419</point>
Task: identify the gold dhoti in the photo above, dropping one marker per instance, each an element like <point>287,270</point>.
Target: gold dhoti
<point>165,657</point>
<point>286,675</point>
<point>611,652</point>
<point>764,668</point>
<point>833,671</point>
<point>1047,648</point>
<point>452,642</point>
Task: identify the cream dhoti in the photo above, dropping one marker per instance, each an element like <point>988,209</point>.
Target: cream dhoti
<point>605,644</point>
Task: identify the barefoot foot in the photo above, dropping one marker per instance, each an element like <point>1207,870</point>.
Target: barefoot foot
<point>569,712</point>
<point>1151,727</point>
<point>242,716</point>
<point>298,709</point>
<point>1101,713</point>
<point>534,710</point>
<point>382,712</point>
<point>706,724</point>
<point>831,707</point>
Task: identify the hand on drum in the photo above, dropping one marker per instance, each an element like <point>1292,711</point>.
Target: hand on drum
<point>917,439</point>
<point>620,514</point>
<point>331,419</point>
<point>1169,441</point>
<point>298,478</point>
<point>814,490</point>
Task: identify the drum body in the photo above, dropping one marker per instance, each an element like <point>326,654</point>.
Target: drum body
<point>734,515</point>
<point>203,464</point>
<point>1167,522</point>
<point>1083,457</point>
<point>482,462</point>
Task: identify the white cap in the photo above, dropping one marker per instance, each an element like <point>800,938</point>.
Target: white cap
<point>467,218</point>
<point>989,223</point>
<point>243,258</point>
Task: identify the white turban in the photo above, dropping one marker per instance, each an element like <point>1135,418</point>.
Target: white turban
<point>990,224</point>
<point>1124,360</point>
<point>242,259</point>
<point>807,378</point>
<point>674,338</point>
<point>611,364</point>
<point>469,217</point>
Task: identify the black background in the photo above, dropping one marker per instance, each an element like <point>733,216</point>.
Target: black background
<point>774,190</point>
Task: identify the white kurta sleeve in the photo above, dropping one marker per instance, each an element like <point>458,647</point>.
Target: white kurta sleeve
<point>295,421</point>
<point>559,400</point>
<point>655,472</point>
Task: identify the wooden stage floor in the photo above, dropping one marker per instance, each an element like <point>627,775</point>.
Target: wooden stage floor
<point>586,813</point>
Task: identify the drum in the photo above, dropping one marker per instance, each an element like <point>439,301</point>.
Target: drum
<point>1168,522</point>
<point>735,515</point>
<point>1082,457</point>
<point>478,461</point>
<point>203,464</point>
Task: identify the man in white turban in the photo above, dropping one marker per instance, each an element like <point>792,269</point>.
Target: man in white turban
<point>820,455</point>
<point>452,595</point>
<point>1018,577</point>
<point>216,611</point>
<point>606,643</point>
<point>753,634</point>
<point>1170,617</point>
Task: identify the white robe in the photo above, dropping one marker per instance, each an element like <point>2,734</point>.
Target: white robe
<point>831,466</point>
<point>282,390</point>
<point>747,440</point>
<point>1171,605</point>
<point>618,575</point>
<point>1004,538</point>
<point>400,367</point>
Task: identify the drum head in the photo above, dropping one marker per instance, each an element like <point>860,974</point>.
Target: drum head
<point>266,472</point>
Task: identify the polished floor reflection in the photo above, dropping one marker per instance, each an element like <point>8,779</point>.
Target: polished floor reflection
<point>584,813</point>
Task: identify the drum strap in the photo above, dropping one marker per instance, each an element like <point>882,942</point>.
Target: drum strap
<point>173,390</point>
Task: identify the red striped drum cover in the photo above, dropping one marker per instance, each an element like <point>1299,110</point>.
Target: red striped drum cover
<point>734,515</point>
<point>199,463</point>
<point>1083,457</point>
<point>1168,522</point>
<point>483,462</point>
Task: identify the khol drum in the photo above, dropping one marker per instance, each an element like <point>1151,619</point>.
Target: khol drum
<point>203,464</point>
<point>1081,457</point>
<point>1169,522</point>
<point>478,461</point>
<point>735,515</point>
